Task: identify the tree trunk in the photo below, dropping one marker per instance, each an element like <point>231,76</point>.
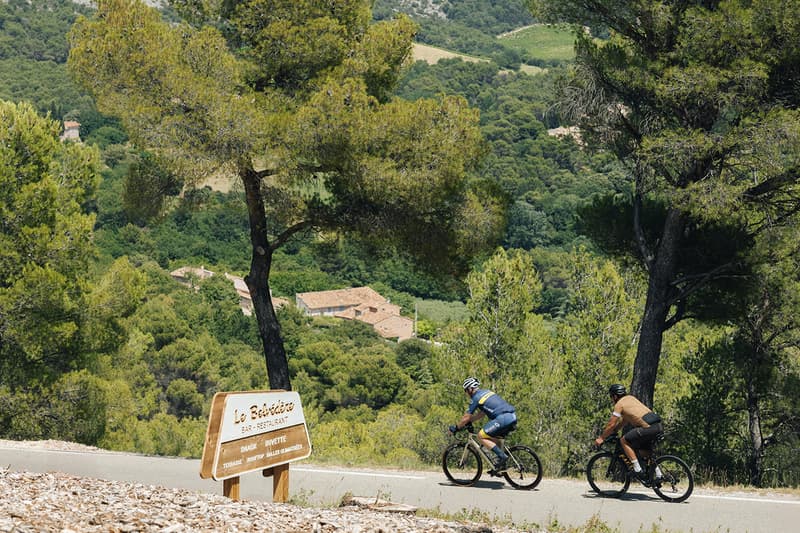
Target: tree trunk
<point>755,462</point>
<point>258,282</point>
<point>657,305</point>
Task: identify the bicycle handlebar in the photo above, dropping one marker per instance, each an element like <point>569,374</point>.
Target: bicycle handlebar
<point>611,440</point>
<point>469,428</point>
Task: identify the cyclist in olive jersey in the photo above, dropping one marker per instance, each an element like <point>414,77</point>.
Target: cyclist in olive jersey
<point>641,426</point>
<point>502,418</point>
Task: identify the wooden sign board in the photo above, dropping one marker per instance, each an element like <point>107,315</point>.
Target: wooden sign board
<point>249,431</point>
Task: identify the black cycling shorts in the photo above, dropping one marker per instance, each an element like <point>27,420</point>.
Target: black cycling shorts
<point>642,438</point>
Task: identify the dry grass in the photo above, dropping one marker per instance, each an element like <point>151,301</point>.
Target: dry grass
<point>431,54</point>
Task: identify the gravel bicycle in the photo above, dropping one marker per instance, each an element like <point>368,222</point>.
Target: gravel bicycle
<point>463,461</point>
<point>610,472</point>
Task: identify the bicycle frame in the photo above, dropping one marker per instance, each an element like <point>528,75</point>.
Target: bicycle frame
<point>472,442</point>
<point>464,460</point>
<point>668,475</point>
<point>647,462</point>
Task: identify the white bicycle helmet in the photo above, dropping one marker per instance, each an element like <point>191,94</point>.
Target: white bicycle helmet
<point>471,383</point>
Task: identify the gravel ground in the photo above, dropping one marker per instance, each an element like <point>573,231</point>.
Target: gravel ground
<point>57,502</point>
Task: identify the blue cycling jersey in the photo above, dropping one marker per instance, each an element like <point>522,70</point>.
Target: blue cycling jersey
<point>490,403</point>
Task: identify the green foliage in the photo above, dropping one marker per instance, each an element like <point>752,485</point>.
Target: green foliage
<point>414,356</point>
<point>147,187</point>
<point>35,30</point>
<point>597,332</point>
<point>668,97</point>
<point>74,408</point>
<point>710,414</point>
<point>115,296</point>
<point>78,408</point>
<point>502,294</point>
<point>105,136</point>
<point>45,245</point>
<point>184,399</point>
<point>363,378</point>
<point>166,435</point>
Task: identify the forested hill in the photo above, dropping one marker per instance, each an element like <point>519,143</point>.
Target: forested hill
<point>100,344</point>
<point>468,26</point>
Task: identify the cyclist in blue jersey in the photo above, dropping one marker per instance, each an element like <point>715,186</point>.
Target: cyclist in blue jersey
<point>502,418</point>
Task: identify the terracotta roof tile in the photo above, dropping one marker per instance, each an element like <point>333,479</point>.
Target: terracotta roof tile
<point>339,298</point>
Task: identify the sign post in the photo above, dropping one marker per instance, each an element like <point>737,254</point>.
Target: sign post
<point>250,431</point>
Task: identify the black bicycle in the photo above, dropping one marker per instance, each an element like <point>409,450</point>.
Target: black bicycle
<point>462,462</point>
<point>609,473</point>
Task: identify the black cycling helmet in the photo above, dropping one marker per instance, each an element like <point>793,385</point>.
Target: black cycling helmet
<point>471,383</point>
<point>617,390</point>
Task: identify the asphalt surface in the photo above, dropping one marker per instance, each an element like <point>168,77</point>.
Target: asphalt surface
<point>567,502</point>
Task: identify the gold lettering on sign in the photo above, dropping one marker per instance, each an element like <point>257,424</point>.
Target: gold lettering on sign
<point>262,451</point>
<point>265,410</point>
<point>256,412</point>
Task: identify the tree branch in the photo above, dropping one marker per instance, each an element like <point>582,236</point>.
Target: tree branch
<point>287,234</point>
<point>698,281</point>
<point>680,314</point>
<point>771,185</point>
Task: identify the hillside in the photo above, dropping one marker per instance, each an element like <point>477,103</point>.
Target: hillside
<point>541,293</point>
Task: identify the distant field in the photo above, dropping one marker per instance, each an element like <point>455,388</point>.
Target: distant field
<point>440,311</point>
<point>542,41</point>
<point>431,54</point>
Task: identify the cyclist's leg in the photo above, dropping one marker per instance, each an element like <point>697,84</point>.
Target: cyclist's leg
<point>647,449</point>
<point>640,439</point>
<point>494,431</point>
<point>629,442</point>
<point>487,440</point>
<point>645,438</point>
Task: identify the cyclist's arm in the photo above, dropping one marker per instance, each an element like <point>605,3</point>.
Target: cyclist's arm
<point>469,417</point>
<point>611,427</point>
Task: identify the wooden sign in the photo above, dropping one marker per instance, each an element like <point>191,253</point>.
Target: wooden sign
<point>249,431</point>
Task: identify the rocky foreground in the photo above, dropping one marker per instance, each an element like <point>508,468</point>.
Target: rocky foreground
<point>36,502</point>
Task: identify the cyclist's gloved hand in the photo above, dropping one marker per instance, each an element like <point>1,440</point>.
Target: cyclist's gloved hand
<point>453,429</point>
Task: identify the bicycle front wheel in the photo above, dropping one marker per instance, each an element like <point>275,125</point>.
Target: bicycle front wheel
<point>673,480</point>
<point>461,464</point>
<point>524,468</point>
<point>607,475</point>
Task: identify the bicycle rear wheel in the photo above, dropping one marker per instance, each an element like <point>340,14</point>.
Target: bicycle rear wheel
<point>461,464</point>
<point>524,468</point>
<point>607,475</point>
<point>676,482</point>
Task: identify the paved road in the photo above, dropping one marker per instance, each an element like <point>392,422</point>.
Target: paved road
<point>567,501</point>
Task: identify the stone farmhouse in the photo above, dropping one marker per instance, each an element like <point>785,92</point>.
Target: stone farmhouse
<point>358,303</point>
<point>72,131</point>
<point>190,276</point>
